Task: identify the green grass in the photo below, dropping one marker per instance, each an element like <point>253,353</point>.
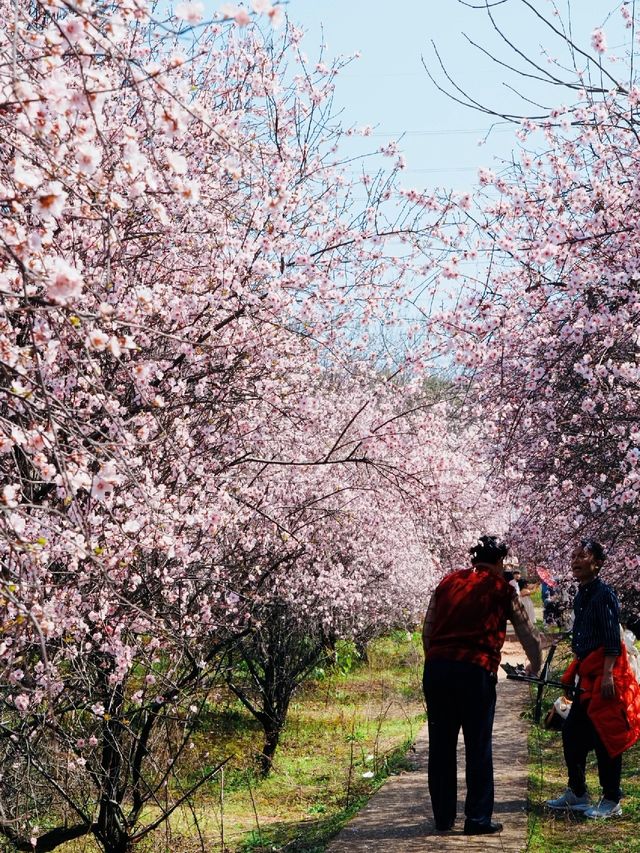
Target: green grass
<point>347,731</point>
<point>536,596</point>
<point>567,833</point>
<point>358,719</point>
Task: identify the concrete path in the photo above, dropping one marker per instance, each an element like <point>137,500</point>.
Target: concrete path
<point>398,818</point>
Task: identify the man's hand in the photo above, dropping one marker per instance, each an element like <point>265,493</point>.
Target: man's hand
<point>607,688</point>
<point>529,670</point>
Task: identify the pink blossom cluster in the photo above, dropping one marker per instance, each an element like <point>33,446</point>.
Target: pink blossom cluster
<point>196,416</point>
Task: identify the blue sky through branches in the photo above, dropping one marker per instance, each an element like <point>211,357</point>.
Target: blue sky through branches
<point>389,89</point>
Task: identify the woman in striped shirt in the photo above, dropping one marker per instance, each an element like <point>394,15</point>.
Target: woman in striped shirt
<point>596,627</point>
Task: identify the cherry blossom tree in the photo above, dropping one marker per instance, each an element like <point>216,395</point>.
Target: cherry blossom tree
<point>368,550</point>
<point>195,417</point>
<point>545,334</point>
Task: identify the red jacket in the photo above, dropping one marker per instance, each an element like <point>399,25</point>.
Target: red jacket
<point>617,720</point>
<point>468,618</point>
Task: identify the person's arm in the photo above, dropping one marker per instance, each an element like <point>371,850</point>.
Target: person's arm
<point>608,687</point>
<point>609,613</point>
<point>428,623</point>
<point>526,633</point>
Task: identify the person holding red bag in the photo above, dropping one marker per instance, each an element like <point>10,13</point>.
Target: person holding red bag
<point>605,713</point>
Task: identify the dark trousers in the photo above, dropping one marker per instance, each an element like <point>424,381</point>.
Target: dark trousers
<point>579,737</point>
<point>460,695</point>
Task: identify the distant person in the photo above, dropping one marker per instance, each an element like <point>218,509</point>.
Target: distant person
<point>547,586</point>
<point>605,713</point>
<point>524,590</point>
<point>464,631</point>
<point>510,576</point>
<point>557,608</point>
<point>546,593</point>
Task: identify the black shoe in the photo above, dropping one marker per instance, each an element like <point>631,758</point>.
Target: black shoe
<point>471,827</point>
<point>444,827</point>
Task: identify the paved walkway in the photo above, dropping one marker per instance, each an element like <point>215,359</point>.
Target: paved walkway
<point>398,818</point>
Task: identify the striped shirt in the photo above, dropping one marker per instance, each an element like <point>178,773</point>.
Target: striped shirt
<point>597,620</point>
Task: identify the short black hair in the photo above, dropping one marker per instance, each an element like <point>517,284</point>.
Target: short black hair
<point>488,549</point>
<point>594,548</point>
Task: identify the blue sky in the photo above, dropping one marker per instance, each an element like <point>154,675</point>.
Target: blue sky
<point>389,88</point>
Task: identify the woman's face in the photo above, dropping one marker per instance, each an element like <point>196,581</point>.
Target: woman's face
<point>583,565</point>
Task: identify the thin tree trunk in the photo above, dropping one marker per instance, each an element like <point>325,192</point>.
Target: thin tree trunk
<point>110,831</point>
<point>271,740</point>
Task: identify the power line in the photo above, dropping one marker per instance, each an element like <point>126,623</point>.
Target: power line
<point>483,131</point>
<point>446,169</point>
<point>434,169</point>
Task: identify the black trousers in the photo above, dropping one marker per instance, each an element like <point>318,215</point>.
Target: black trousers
<point>579,737</point>
<point>460,695</point>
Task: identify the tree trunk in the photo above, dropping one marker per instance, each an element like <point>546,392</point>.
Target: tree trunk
<point>362,648</point>
<point>110,830</point>
<point>271,740</point>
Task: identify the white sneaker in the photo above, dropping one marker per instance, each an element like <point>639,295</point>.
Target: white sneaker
<point>570,801</point>
<point>604,809</point>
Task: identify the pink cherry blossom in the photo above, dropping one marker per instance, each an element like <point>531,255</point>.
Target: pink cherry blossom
<point>9,495</point>
<point>599,41</point>
<point>276,15</point>
<point>242,17</point>
<point>73,28</point>
<point>64,282</point>
<point>98,340</point>
<point>27,175</point>
<point>192,12</point>
<point>21,702</point>
<point>50,199</point>
<point>177,162</point>
<point>105,481</point>
<point>88,157</point>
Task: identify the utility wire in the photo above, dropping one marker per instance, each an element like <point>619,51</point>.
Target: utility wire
<point>483,131</point>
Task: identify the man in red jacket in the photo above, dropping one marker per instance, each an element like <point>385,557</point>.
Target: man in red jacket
<point>464,631</point>
<point>605,713</point>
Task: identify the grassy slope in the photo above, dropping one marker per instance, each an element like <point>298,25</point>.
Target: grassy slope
<point>345,734</point>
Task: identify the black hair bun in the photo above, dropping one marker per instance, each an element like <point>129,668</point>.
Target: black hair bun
<point>489,549</point>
